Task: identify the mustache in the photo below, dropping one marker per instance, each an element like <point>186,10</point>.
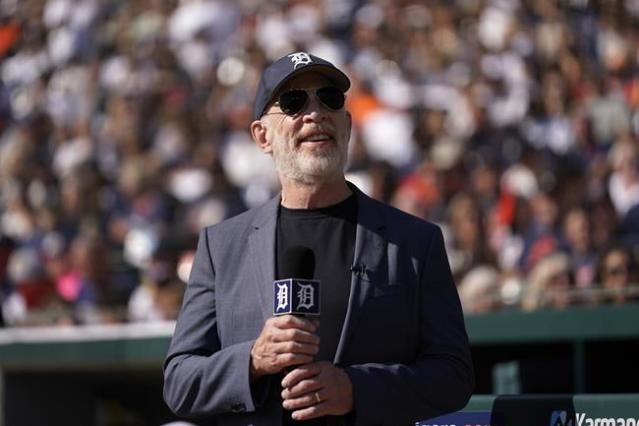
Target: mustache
<point>316,129</point>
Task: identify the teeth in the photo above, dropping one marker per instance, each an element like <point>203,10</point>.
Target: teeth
<point>318,137</point>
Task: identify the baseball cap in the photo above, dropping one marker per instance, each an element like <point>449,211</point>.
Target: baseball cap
<point>288,66</point>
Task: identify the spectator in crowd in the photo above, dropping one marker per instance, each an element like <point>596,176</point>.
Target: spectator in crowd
<point>159,295</point>
<point>541,237</point>
<point>617,276</point>
<point>480,290</point>
<point>34,289</point>
<point>623,185</point>
<point>576,242</point>
<point>550,284</point>
<point>468,239</point>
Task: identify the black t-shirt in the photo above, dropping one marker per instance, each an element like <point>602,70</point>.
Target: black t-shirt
<point>330,233</point>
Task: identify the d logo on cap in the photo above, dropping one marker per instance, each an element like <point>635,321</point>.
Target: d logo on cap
<point>300,58</point>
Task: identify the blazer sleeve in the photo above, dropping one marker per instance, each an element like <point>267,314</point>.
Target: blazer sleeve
<point>441,379</point>
<point>200,377</point>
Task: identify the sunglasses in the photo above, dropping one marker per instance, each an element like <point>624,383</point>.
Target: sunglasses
<point>293,102</point>
<point>616,270</point>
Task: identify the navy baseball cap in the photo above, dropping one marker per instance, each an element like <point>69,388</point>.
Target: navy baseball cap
<point>288,66</point>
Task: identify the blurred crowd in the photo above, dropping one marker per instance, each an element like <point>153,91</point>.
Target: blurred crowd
<point>513,124</point>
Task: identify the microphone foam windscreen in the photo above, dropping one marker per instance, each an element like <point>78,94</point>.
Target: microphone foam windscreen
<point>298,262</point>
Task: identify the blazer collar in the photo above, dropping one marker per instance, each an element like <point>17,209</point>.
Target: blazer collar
<point>262,252</point>
<point>368,263</point>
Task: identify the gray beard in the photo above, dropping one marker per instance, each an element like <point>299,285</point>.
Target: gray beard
<point>308,169</point>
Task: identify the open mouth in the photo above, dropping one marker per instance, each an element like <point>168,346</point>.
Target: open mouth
<point>317,138</point>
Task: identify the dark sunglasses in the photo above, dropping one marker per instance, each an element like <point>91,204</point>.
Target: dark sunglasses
<point>294,101</point>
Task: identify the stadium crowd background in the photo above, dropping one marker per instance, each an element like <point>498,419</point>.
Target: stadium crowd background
<point>123,131</point>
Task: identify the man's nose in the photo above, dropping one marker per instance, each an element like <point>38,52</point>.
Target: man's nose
<point>314,110</point>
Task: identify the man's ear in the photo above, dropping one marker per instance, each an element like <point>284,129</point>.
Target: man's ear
<point>259,134</point>
<point>349,119</point>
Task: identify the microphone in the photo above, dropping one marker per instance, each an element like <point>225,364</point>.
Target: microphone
<point>299,294</point>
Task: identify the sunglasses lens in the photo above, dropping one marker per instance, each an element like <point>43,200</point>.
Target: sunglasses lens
<point>293,101</point>
<point>331,97</point>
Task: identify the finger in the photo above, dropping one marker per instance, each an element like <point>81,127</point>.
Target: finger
<point>301,388</point>
<point>311,412</point>
<point>295,335</point>
<point>294,321</point>
<point>306,400</point>
<point>300,373</point>
<point>273,335</point>
<point>291,360</point>
<point>295,348</point>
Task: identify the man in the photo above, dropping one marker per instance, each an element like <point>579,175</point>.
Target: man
<point>390,346</point>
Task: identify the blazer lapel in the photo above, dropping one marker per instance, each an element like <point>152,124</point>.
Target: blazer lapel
<point>262,252</point>
<point>368,262</point>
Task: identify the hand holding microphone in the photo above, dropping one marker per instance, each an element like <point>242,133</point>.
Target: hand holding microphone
<point>310,389</point>
<point>289,338</point>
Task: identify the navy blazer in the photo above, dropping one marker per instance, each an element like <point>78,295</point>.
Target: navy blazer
<point>403,344</point>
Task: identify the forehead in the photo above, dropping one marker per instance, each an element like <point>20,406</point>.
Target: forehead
<point>308,80</point>
<point>616,256</point>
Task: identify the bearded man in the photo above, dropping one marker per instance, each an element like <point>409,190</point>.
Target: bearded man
<point>390,346</point>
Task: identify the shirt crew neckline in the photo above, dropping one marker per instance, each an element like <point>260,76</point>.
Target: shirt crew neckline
<point>332,210</point>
